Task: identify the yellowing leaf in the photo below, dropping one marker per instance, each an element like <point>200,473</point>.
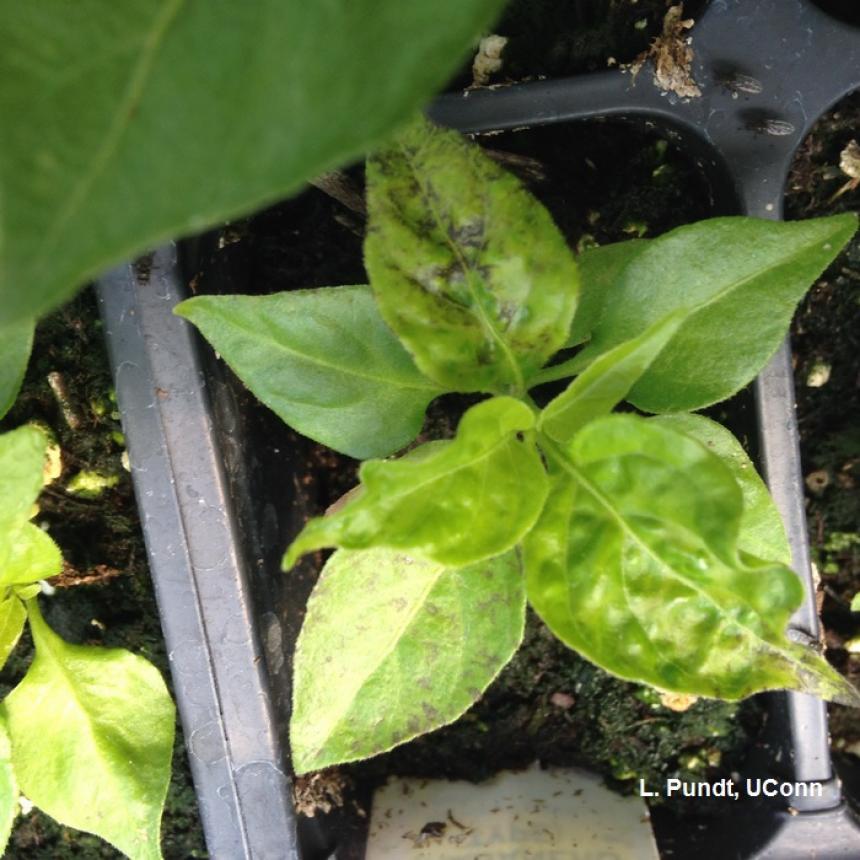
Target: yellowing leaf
<point>456,503</point>
<point>92,738</point>
<point>393,647</point>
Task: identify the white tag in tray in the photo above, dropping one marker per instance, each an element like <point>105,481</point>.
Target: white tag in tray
<point>555,814</point>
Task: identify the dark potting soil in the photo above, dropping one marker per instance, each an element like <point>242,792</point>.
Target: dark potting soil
<point>826,341</point>
<point>104,595</point>
<point>603,182</point>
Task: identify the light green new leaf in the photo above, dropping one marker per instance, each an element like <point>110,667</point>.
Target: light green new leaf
<point>635,564</point>
<point>606,382</point>
<point>8,787</point>
<point>22,458</point>
<point>740,278</point>
<point>197,112</point>
<point>393,647</point>
<point>762,532</point>
<point>468,268</point>
<point>32,555</point>
<point>324,361</point>
<point>12,617</point>
<point>599,269</point>
<point>460,502</point>
<point>92,738</point>
<point>16,342</point>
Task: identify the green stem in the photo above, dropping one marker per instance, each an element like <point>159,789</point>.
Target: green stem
<point>571,367</point>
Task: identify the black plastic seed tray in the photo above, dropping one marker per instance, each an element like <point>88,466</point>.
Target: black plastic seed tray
<point>767,70</point>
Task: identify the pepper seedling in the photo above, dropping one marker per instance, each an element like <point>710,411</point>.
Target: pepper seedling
<point>647,544</point>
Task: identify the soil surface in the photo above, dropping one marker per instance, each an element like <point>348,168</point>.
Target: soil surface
<point>826,341</point>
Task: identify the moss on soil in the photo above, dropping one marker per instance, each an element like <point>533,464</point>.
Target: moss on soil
<point>104,596</point>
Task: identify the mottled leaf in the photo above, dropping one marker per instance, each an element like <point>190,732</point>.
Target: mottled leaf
<point>393,647</point>
<point>462,501</point>
<point>16,341</point>
<point>740,279</point>
<point>126,123</point>
<point>599,268</point>
<point>606,382</point>
<point>635,564</point>
<point>762,532</point>
<point>8,787</point>
<point>92,739</point>
<point>12,617</point>
<point>324,361</point>
<point>468,268</point>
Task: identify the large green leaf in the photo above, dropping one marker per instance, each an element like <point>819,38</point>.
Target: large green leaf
<point>8,787</point>
<point>762,532</point>
<point>16,341</point>
<point>635,564</point>
<point>393,647</point>
<point>92,738</point>
<point>741,278</point>
<point>606,382</point>
<point>324,361</point>
<point>468,268</point>
<point>599,269</point>
<point>196,112</point>
<point>457,503</point>
<point>12,617</point>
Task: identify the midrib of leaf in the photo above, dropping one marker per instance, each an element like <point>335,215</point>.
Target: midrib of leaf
<point>380,380</point>
<point>38,623</point>
<point>622,523</point>
<point>397,633</point>
<point>140,73</point>
<point>482,456</point>
<point>487,323</point>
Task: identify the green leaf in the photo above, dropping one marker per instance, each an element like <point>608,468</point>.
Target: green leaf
<point>460,502</point>
<point>16,342</point>
<point>635,564</point>
<point>324,361</point>
<point>762,532</point>
<point>31,555</point>
<point>740,279</point>
<point>12,617</point>
<point>393,647</point>
<point>8,787</point>
<point>92,738</point>
<point>198,112</point>
<point>468,268</point>
<point>22,457</point>
<point>606,382</point>
<point>599,268</point>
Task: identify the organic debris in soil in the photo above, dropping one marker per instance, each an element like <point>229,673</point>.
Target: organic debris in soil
<point>672,56</point>
<point>826,334</point>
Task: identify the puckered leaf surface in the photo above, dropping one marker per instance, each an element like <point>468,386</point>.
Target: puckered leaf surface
<point>468,268</point>
<point>635,564</point>
<point>393,647</point>
<point>454,502</point>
